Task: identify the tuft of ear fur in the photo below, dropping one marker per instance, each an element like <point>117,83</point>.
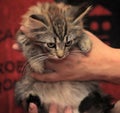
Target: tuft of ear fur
<point>35,24</point>
<point>81,16</point>
<point>39,18</point>
<point>76,14</point>
<point>37,21</point>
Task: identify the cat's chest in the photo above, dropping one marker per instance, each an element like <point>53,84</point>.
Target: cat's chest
<point>63,93</point>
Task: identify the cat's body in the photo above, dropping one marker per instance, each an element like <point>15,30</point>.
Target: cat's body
<point>52,32</point>
<point>62,93</point>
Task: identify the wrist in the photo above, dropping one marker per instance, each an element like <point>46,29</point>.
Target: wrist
<point>109,69</point>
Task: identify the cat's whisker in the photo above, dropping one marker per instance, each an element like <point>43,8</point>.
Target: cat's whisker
<point>37,56</point>
<point>25,67</point>
<point>38,59</point>
<point>76,51</point>
<point>51,31</point>
<point>72,54</point>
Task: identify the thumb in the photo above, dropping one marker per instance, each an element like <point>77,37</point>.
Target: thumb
<point>53,108</point>
<point>68,110</point>
<point>23,29</point>
<point>16,46</point>
<point>32,108</point>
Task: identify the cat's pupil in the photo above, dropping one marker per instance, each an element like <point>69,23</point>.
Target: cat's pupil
<point>68,43</point>
<point>51,45</point>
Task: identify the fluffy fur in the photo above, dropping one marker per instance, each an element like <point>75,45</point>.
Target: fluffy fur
<point>52,31</point>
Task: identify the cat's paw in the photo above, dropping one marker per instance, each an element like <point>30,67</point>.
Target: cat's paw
<point>36,100</point>
<point>33,99</point>
<point>96,103</point>
<point>85,44</point>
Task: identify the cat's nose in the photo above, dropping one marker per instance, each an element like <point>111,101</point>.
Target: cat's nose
<point>60,53</point>
<point>60,56</point>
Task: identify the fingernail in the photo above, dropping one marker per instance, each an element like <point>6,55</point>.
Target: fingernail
<point>31,105</point>
<point>16,46</point>
<point>68,109</point>
<point>22,28</point>
<point>53,108</point>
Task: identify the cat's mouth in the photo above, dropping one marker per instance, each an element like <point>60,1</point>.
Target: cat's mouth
<point>53,57</point>
<point>56,57</point>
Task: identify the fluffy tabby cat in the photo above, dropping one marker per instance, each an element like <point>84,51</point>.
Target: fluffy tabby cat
<point>52,31</point>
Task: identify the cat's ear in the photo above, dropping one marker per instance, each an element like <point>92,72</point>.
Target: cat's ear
<point>38,21</point>
<point>77,20</point>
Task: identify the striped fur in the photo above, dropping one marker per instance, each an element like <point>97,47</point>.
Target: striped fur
<point>52,31</point>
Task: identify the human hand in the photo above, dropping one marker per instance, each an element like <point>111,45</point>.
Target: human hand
<point>52,109</point>
<point>32,108</point>
<point>94,66</point>
<point>15,46</point>
<point>99,64</point>
<point>116,108</point>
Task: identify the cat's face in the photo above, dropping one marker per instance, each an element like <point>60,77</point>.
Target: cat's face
<point>56,41</point>
<point>55,31</point>
<point>56,48</point>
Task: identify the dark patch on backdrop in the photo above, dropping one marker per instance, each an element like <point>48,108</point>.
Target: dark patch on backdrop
<point>7,84</point>
<point>75,2</point>
<point>6,34</point>
<point>11,66</point>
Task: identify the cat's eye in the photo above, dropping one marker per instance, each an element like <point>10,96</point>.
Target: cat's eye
<point>67,44</point>
<point>51,45</point>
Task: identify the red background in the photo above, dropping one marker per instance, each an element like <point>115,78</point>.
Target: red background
<point>11,61</point>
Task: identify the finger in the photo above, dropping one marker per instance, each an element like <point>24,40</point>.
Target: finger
<point>53,108</point>
<point>49,65</point>
<point>16,46</point>
<point>116,108</point>
<point>52,64</point>
<point>32,108</point>
<point>68,110</point>
<point>51,77</point>
<point>23,29</point>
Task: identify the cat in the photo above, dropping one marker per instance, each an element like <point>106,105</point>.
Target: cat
<point>52,32</point>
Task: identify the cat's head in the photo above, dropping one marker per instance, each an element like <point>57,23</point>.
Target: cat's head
<point>56,31</point>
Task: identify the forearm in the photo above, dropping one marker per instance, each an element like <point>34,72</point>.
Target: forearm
<point>104,61</point>
<point>110,67</point>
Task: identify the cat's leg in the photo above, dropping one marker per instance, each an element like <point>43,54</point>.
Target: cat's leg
<point>23,88</point>
<point>85,44</point>
<point>36,100</point>
<point>25,94</point>
<point>96,103</point>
